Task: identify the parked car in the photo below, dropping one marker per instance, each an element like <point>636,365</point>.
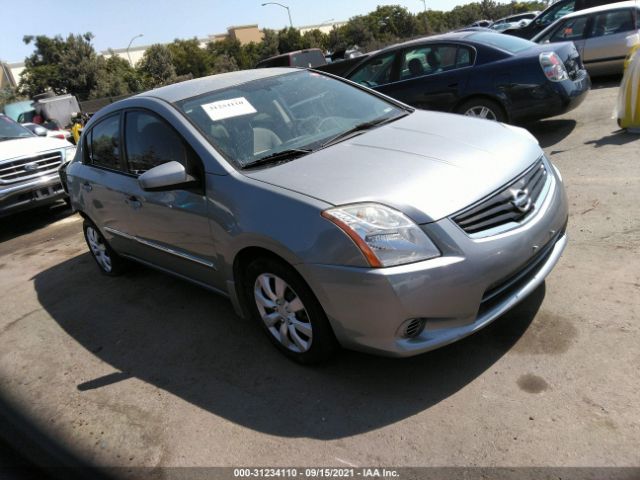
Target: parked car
<point>329,213</point>
<point>479,73</point>
<point>28,167</point>
<point>47,131</point>
<point>554,12</point>
<point>600,35</point>
<point>481,23</point>
<point>514,21</point>
<point>310,58</point>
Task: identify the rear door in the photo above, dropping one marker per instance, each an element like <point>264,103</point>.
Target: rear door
<point>432,76</point>
<point>606,47</point>
<point>171,226</point>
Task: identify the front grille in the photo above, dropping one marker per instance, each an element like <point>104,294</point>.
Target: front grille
<point>29,167</point>
<point>513,203</point>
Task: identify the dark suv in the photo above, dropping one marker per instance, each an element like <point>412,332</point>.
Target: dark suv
<point>553,13</point>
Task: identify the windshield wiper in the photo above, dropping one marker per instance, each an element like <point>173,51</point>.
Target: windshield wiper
<point>361,127</point>
<point>278,157</point>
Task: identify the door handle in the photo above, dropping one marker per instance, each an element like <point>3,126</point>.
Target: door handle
<point>133,202</point>
<point>453,85</point>
<point>86,186</point>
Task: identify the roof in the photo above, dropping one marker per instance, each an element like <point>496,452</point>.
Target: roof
<point>450,36</point>
<point>603,8</point>
<point>199,86</point>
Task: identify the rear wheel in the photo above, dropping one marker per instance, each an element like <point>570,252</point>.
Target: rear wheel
<point>109,262</point>
<point>483,108</point>
<point>286,308</point>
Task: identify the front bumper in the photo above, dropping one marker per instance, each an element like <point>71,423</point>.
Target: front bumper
<point>30,194</point>
<point>475,281</point>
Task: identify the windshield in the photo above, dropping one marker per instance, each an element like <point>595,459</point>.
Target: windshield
<point>507,43</point>
<point>300,110</point>
<point>10,129</point>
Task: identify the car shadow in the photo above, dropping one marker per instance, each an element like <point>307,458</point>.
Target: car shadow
<point>606,81</point>
<point>21,223</point>
<point>551,132</point>
<point>187,341</point>
<point>619,137</point>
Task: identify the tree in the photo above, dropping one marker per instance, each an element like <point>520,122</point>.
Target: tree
<point>62,65</point>
<point>156,66</point>
<point>224,63</point>
<point>289,40</point>
<point>315,39</point>
<point>9,95</point>
<point>189,59</point>
<point>116,77</point>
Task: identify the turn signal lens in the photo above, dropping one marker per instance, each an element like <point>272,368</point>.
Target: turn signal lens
<point>386,237</point>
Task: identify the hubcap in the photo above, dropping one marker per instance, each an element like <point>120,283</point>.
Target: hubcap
<point>283,312</point>
<point>98,249</point>
<point>481,112</point>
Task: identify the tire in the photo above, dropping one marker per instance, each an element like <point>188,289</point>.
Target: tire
<point>288,311</point>
<point>108,261</point>
<point>483,108</point>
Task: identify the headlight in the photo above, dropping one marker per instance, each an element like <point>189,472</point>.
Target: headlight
<point>385,236</point>
<point>69,153</point>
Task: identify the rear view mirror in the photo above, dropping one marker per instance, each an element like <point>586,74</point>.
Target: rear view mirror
<point>166,176</point>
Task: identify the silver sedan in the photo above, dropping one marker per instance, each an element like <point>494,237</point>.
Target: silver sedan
<point>329,213</point>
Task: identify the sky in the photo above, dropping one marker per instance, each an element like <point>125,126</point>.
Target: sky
<point>115,22</point>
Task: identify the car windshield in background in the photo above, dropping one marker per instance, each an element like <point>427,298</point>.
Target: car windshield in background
<point>299,111</point>
<point>10,129</point>
<point>507,43</point>
<point>307,59</point>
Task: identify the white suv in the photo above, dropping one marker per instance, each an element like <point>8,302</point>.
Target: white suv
<point>29,167</point>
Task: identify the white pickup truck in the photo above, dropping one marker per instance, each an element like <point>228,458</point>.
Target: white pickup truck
<point>29,167</point>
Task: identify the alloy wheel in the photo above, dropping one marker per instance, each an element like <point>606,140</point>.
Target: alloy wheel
<point>481,112</point>
<point>283,312</point>
<point>99,249</point>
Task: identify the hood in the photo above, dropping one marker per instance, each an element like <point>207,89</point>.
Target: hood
<point>21,147</point>
<point>427,164</point>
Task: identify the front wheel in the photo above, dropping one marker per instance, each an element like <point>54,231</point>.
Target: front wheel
<point>483,108</point>
<point>286,308</point>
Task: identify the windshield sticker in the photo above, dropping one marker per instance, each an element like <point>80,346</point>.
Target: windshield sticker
<point>234,107</point>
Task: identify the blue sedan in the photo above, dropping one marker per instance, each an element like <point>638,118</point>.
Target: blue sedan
<point>479,73</point>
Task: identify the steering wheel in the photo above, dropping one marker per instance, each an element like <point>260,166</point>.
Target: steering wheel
<point>331,122</point>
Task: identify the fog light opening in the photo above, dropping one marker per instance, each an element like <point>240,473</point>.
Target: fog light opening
<point>413,328</point>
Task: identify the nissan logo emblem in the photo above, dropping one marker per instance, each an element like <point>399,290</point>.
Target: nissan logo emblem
<point>521,200</point>
<point>30,167</point>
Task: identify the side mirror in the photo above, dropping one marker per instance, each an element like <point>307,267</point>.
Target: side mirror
<point>40,131</point>
<point>165,177</point>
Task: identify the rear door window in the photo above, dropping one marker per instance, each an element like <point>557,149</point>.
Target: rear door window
<point>432,59</point>
<point>612,23</point>
<point>104,143</point>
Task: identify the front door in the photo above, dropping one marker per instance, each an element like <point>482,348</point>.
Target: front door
<point>171,226</point>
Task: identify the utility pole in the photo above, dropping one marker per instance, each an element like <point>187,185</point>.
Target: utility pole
<point>283,6</point>
<point>129,46</point>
